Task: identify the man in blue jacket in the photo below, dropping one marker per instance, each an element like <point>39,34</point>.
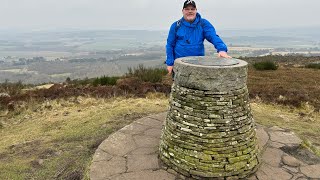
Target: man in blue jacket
<point>186,36</point>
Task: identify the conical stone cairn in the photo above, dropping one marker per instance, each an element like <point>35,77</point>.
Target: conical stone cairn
<point>209,131</point>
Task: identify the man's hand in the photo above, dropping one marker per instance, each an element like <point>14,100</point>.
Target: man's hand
<point>169,68</point>
<point>223,54</point>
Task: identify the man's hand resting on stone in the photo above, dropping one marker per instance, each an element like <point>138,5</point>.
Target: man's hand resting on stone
<point>223,54</point>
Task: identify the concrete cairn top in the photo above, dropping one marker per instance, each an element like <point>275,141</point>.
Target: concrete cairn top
<point>210,73</point>
<point>209,131</point>
<point>211,62</point>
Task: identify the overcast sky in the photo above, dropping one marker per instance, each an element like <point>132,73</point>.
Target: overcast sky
<point>155,14</point>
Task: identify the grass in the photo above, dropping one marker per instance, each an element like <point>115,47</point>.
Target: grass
<point>309,145</point>
<point>265,65</point>
<point>145,74</point>
<point>313,65</point>
<point>303,121</point>
<point>58,142</point>
<point>286,86</point>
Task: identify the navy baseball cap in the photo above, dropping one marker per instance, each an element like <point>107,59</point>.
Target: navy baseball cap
<point>189,2</point>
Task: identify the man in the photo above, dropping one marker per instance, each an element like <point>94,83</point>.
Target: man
<point>186,36</point>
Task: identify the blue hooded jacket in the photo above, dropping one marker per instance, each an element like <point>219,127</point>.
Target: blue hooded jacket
<point>187,39</point>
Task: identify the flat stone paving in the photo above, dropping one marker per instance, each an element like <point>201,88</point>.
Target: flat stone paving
<point>132,153</point>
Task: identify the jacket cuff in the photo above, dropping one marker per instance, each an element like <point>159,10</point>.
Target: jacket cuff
<point>169,64</point>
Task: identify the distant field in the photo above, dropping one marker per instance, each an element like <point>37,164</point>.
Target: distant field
<point>50,55</point>
<point>62,75</point>
<point>247,48</point>
<point>19,71</point>
<point>300,52</point>
<point>113,44</point>
<point>11,70</point>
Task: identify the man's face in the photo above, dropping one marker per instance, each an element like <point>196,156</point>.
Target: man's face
<point>189,13</point>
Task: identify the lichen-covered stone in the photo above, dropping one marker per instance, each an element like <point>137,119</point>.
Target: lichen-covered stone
<point>209,129</point>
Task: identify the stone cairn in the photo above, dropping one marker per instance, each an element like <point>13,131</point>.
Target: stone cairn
<point>209,131</point>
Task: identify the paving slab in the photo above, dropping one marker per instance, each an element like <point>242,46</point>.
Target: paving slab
<point>100,155</point>
<point>146,141</point>
<point>284,137</point>
<point>276,144</point>
<point>105,169</point>
<point>267,172</point>
<point>263,137</point>
<point>154,132</point>
<point>118,144</point>
<point>134,128</point>
<point>272,156</point>
<point>291,161</point>
<point>311,171</point>
<point>132,154</point>
<point>299,176</point>
<point>146,175</point>
<point>144,151</point>
<point>142,162</point>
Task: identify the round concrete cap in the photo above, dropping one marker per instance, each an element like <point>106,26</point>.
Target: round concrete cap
<point>210,73</point>
<point>208,61</point>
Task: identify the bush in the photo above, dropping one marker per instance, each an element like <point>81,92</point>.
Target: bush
<point>313,65</point>
<point>12,88</point>
<point>152,75</point>
<point>80,82</point>
<point>265,65</point>
<point>105,80</point>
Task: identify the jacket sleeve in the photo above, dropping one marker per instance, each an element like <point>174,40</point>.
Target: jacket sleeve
<point>171,42</point>
<point>212,37</point>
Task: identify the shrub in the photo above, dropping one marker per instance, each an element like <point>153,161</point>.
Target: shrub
<point>12,88</point>
<point>313,65</point>
<point>153,75</point>
<point>265,65</point>
<point>81,82</point>
<point>105,80</point>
